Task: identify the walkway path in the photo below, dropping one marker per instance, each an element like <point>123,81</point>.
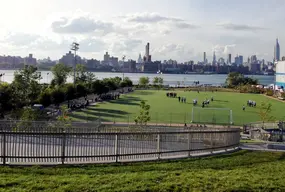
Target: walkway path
<point>258,147</point>
<point>274,98</point>
<point>171,125</point>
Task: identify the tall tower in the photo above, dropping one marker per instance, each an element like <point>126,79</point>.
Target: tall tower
<point>205,58</point>
<point>147,56</point>
<point>147,50</point>
<point>140,60</point>
<point>229,59</point>
<point>214,58</point>
<point>277,51</point>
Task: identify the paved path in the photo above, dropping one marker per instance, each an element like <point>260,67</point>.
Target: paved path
<point>172,125</point>
<point>274,98</point>
<point>258,147</point>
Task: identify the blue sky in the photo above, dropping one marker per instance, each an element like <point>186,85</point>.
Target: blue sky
<point>181,29</point>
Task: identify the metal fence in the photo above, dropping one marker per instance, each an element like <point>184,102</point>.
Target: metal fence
<point>66,146</point>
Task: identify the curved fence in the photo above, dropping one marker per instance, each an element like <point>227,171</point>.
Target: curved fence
<point>111,145</point>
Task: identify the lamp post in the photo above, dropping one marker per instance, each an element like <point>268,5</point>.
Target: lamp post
<point>123,58</point>
<point>74,47</point>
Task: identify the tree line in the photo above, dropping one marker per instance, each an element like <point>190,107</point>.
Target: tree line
<point>26,90</point>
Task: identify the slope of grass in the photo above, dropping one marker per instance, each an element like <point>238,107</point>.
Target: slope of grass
<point>169,110</point>
<point>240,171</point>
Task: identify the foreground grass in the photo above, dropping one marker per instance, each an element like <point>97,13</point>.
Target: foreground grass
<point>240,171</point>
<point>169,110</point>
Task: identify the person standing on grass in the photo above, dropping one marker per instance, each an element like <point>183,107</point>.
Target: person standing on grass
<point>179,98</point>
<point>243,108</point>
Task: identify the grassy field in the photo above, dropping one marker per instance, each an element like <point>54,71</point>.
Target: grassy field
<point>169,110</point>
<point>240,171</point>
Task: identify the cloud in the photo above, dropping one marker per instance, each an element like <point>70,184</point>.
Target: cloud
<point>239,27</point>
<point>224,49</point>
<point>147,17</point>
<point>183,25</point>
<point>36,42</point>
<point>125,45</point>
<point>20,39</point>
<point>80,24</point>
<point>174,51</point>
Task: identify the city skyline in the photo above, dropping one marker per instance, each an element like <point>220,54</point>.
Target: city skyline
<point>124,28</point>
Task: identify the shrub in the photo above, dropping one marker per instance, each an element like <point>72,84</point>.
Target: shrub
<point>269,92</point>
<point>45,98</point>
<point>57,96</point>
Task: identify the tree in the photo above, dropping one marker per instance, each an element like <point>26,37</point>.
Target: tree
<point>111,83</point>
<point>160,82</point>
<point>81,90</point>
<point>60,73</point>
<point>45,97</point>
<point>6,95</point>
<point>57,96</point>
<point>98,87</point>
<point>25,85</point>
<point>126,82</point>
<point>143,116</point>
<point>144,81</point>
<point>235,79</point>
<point>265,112</point>
<point>155,81</point>
<point>70,91</point>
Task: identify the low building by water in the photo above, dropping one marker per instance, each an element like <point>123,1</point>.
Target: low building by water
<point>280,74</point>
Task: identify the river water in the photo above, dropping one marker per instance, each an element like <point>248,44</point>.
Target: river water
<point>169,79</point>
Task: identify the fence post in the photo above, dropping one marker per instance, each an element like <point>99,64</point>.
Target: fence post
<point>116,148</point>
<point>63,147</point>
<point>4,148</point>
<point>211,140</point>
<point>170,119</point>
<point>189,144</point>
<point>158,146</point>
<point>156,118</point>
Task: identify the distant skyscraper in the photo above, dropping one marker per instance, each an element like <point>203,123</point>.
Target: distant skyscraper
<point>214,58</point>
<point>229,59</point>
<point>106,57</point>
<point>237,60</point>
<point>140,60</point>
<point>147,56</point>
<point>240,59</point>
<point>277,51</point>
<point>205,58</point>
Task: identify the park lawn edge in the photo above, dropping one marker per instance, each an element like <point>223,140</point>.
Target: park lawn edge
<point>238,171</point>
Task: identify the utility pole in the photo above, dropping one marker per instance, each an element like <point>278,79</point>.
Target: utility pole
<point>123,58</point>
<point>74,47</point>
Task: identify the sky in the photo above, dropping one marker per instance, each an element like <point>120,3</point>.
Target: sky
<point>180,29</point>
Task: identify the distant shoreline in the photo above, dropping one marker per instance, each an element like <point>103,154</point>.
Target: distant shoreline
<point>145,72</point>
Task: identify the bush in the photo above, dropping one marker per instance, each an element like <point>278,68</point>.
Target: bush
<point>57,96</point>
<point>45,98</point>
<point>70,91</point>
<point>269,92</point>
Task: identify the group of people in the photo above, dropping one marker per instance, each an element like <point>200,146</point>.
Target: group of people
<point>207,102</point>
<point>251,103</point>
<point>174,95</point>
<point>204,103</point>
<point>182,99</point>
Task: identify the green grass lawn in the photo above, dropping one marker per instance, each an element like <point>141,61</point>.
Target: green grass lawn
<point>240,171</point>
<point>169,110</point>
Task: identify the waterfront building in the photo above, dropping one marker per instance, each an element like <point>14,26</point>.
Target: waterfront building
<point>280,74</point>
